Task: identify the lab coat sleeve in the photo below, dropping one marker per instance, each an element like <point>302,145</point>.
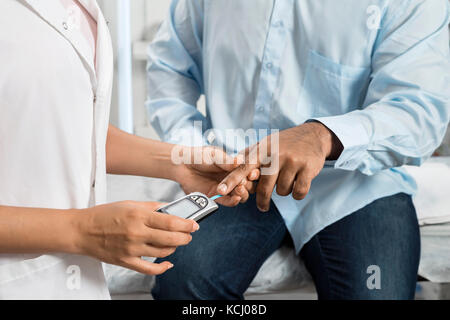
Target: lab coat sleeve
<point>174,74</point>
<point>408,99</point>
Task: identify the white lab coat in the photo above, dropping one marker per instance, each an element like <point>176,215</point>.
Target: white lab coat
<point>54,111</point>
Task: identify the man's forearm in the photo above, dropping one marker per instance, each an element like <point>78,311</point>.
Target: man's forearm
<point>131,155</point>
<point>32,230</point>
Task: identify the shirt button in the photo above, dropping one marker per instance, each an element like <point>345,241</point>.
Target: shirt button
<point>269,65</point>
<point>260,108</point>
<point>95,99</point>
<point>211,137</point>
<point>65,25</point>
<point>93,184</point>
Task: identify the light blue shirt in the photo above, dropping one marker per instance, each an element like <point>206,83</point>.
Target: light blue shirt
<point>375,72</point>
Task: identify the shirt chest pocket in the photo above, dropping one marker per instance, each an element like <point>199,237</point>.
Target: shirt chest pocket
<point>330,88</point>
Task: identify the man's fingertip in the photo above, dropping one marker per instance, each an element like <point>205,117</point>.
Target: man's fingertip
<point>263,210</point>
<point>222,189</point>
<point>254,175</point>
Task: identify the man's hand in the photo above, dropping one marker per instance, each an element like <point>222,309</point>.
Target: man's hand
<point>299,158</point>
<point>206,175</point>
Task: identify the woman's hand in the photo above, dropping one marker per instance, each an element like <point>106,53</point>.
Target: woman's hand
<point>121,233</point>
<point>195,168</point>
<point>206,174</point>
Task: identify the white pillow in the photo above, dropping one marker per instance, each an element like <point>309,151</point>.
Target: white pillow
<point>432,200</point>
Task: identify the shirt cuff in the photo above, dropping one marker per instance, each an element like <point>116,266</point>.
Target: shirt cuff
<point>353,135</point>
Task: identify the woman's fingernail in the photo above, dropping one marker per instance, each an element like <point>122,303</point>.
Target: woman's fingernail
<point>196,226</point>
<point>170,266</point>
<point>222,188</point>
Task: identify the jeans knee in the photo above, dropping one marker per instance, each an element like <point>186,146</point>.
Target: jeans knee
<point>187,283</point>
<point>175,287</point>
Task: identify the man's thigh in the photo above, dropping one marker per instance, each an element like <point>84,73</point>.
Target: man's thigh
<point>372,254</point>
<point>224,255</point>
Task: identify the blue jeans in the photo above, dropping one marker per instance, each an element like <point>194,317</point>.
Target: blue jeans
<point>232,244</point>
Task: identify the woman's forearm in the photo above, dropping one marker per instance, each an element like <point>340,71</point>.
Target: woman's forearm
<point>131,155</point>
<point>31,230</point>
<point>118,233</point>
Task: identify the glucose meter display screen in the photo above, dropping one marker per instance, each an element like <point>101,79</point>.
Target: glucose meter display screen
<point>183,209</point>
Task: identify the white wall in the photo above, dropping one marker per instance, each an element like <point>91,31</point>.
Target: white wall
<point>146,16</point>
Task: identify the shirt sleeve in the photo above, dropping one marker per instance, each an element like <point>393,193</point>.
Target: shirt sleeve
<point>174,74</point>
<point>408,99</point>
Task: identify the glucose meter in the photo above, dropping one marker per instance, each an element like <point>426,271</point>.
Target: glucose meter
<point>194,206</point>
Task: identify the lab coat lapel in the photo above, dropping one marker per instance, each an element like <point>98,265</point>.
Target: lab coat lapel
<point>105,72</point>
<point>56,16</point>
<point>92,7</point>
<point>104,57</point>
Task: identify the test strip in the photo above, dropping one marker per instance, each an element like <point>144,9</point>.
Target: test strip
<point>216,197</point>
